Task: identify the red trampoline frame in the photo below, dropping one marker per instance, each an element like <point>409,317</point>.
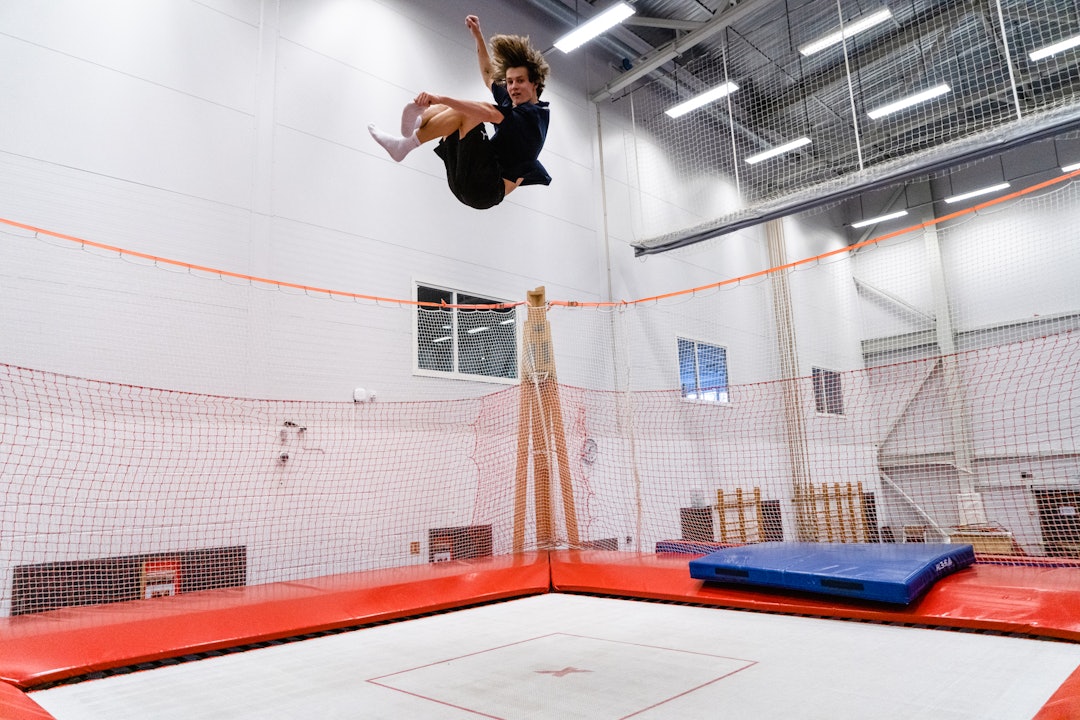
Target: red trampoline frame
<point>47,647</point>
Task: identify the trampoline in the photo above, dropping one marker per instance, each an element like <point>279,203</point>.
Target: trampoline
<point>555,634</point>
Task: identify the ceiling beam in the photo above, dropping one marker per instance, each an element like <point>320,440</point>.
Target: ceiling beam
<point>620,41</point>
<point>663,23</point>
<point>981,145</point>
<point>653,60</point>
<point>880,51</point>
<point>611,41</point>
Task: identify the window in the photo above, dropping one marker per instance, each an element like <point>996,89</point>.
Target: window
<point>828,395</point>
<point>703,371</point>
<point>464,342</point>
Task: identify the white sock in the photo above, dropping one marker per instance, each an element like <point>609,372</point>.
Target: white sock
<point>397,147</point>
<point>410,119</point>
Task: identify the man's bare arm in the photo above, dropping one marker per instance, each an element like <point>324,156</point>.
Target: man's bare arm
<point>487,70</point>
<point>481,111</point>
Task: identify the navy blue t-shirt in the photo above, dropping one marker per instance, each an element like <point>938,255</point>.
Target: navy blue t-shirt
<point>520,137</point>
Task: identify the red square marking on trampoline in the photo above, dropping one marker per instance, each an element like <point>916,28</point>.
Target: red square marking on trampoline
<point>565,676</point>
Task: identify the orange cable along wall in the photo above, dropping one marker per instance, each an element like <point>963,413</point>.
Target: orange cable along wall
<point>236,275</point>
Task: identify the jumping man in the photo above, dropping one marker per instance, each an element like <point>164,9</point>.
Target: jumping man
<point>482,170</point>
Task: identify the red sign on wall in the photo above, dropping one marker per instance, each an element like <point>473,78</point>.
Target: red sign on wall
<point>160,578</point>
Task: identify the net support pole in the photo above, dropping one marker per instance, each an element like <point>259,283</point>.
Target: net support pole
<point>970,508</point>
<point>802,487</point>
<point>545,523</point>
<point>542,433</point>
<point>562,457</point>
<point>521,470</point>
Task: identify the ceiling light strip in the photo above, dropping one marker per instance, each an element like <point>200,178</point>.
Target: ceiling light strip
<point>703,99</point>
<point>778,150</point>
<point>879,219</point>
<point>1058,47</point>
<point>928,94</point>
<point>976,193</point>
<point>599,24</point>
<point>855,26</point>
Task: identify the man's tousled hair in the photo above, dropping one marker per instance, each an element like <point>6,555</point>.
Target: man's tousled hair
<point>510,51</point>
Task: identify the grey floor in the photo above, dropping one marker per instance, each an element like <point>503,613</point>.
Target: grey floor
<point>567,656</point>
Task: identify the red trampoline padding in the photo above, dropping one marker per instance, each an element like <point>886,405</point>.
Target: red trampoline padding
<point>1035,600</point>
<point>59,644</point>
<point>1065,703</point>
<point>16,705</point>
<point>51,646</point>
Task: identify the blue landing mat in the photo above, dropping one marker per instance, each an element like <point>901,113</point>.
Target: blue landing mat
<point>892,573</point>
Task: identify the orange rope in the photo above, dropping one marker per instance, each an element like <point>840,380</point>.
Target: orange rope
<point>850,248</point>
<point>249,278</point>
<point>562,303</point>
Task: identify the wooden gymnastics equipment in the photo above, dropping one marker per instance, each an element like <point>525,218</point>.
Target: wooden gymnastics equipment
<point>748,523</point>
<point>838,512</point>
<point>541,435</point>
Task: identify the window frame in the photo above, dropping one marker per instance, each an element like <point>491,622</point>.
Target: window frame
<point>455,336</point>
<point>723,392</point>
<point>828,391</point>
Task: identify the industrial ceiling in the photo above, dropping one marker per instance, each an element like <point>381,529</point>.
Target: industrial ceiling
<point>994,90</point>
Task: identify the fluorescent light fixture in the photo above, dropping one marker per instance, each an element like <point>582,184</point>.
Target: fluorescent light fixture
<point>442,339</point>
<point>1070,168</point>
<point>976,193</point>
<point>778,150</point>
<point>473,331</point>
<point>703,99</point>
<point>851,28</point>
<point>879,219</point>
<point>1056,48</point>
<point>508,321</point>
<point>909,101</point>
<point>587,31</point>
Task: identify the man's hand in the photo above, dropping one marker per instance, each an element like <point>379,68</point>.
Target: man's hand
<point>426,99</point>
<point>473,23</point>
<point>487,72</point>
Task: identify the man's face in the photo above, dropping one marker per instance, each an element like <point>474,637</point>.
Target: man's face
<point>519,87</point>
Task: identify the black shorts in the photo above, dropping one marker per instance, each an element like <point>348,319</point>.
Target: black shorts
<point>472,168</point>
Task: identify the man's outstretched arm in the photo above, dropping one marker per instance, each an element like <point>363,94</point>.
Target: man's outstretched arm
<point>487,70</point>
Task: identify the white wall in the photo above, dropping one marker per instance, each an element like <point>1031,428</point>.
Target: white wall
<point>232,136</point>
<point>251,155</point>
